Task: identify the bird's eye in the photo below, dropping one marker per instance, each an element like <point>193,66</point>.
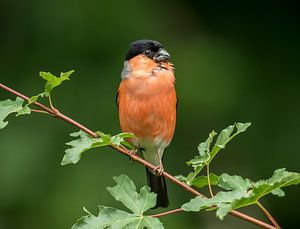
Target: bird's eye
<point>147,52</point>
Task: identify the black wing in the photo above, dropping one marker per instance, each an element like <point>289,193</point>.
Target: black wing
<point>117,100</point>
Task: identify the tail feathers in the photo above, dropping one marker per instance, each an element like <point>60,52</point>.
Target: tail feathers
<point>158,185</point>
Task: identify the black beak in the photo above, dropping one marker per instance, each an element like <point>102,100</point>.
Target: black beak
<point>162,55</point>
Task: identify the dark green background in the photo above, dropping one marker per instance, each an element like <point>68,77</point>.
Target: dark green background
<point>234,62</point>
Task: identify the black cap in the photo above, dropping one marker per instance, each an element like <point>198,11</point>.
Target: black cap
<point>143,46</point>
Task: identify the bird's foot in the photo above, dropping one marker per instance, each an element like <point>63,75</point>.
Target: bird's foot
<point>132,152</point>
<point>159,170</point>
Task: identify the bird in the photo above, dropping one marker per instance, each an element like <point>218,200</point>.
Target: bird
<point>147,104</point>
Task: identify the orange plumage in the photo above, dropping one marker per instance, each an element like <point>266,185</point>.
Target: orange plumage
<point>147,105</point>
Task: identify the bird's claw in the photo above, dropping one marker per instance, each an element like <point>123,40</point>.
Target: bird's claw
<point>159,170</point>
<point>132,152</point>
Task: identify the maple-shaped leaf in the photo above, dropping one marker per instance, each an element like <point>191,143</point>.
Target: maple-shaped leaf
<point>52,81</point>
<point>9,106</point>
<point>281,178</point>
<point>242,192</point>
<point>207,152</point>
<point>85,142</point>
<point>137,203</point>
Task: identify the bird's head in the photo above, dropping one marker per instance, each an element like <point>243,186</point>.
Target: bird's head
<point>148,48</point>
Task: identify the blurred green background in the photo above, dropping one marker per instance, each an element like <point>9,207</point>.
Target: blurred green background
<point>234,62</point>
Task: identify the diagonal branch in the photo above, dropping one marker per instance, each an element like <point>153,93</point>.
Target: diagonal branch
<point>268,215</point>
<point>166,213</point>
<point>56,113</point>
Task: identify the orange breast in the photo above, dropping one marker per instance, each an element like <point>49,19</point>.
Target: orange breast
<point>147,106</point>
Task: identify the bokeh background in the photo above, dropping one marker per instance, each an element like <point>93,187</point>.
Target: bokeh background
<point>234,62</point>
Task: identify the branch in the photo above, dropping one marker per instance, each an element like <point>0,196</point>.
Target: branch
<point>166,213</point>
<point>59,115</point>
<point>268,214</point>
<point>40,111</point>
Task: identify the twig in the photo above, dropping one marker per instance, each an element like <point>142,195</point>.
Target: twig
<point>268,214</point>
<point>40,111</point>
<point>166,213</point>
<point>134,157</point>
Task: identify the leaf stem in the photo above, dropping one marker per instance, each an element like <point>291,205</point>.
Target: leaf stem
<point>268,214</point>
<point>50,102</point>
<point>208,181</point>
<point>135,157</point>
<point>51,105</point>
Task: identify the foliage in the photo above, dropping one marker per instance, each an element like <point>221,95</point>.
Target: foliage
<point>206,154</point>
<point>202,181</point>
<point>52,81</point>
<point>241,192</point>
<point>86,142</point>
<point>8,107</point>
<point>236,191</point>
<point>137,203</point>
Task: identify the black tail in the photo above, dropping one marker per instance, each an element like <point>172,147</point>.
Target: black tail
<point>158,185</point>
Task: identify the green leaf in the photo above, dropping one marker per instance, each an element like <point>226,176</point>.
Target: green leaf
<point>281,178</point>
<point>83,143</point>
<point>8,107</point>
<point>106,216</point>
<point>86,142</point>
<point>223,137</point>
<point>238,188</point>
<point>201,181</point>
<point>23,111</point>
<point>242,192</point>
<point>219,201</point>
<point>181,178</point>
<point>242,127</point>
<point>138,203</point>
<point>234,182</point>
<point>204,151</point>
<point>113,218</point>
<point>278,192</point>
<point>34,98</point>
<point>223,210</point>
<point>120,138</point>
<point>204,147</point>
<point>125,192</point>
<point>206,154</point>
<point>66,75</point>
<point>199,161</point>
<point>226,135</point>
<point>54,81</point>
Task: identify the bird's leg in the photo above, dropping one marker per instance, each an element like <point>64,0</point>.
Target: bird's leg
<point>160,168</point>
<point>132,152</point>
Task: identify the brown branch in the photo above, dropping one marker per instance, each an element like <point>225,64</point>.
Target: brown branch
<point>268,214</point>
<point>166,213</point>
<point>40,111</point>
<point>135,157</point>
